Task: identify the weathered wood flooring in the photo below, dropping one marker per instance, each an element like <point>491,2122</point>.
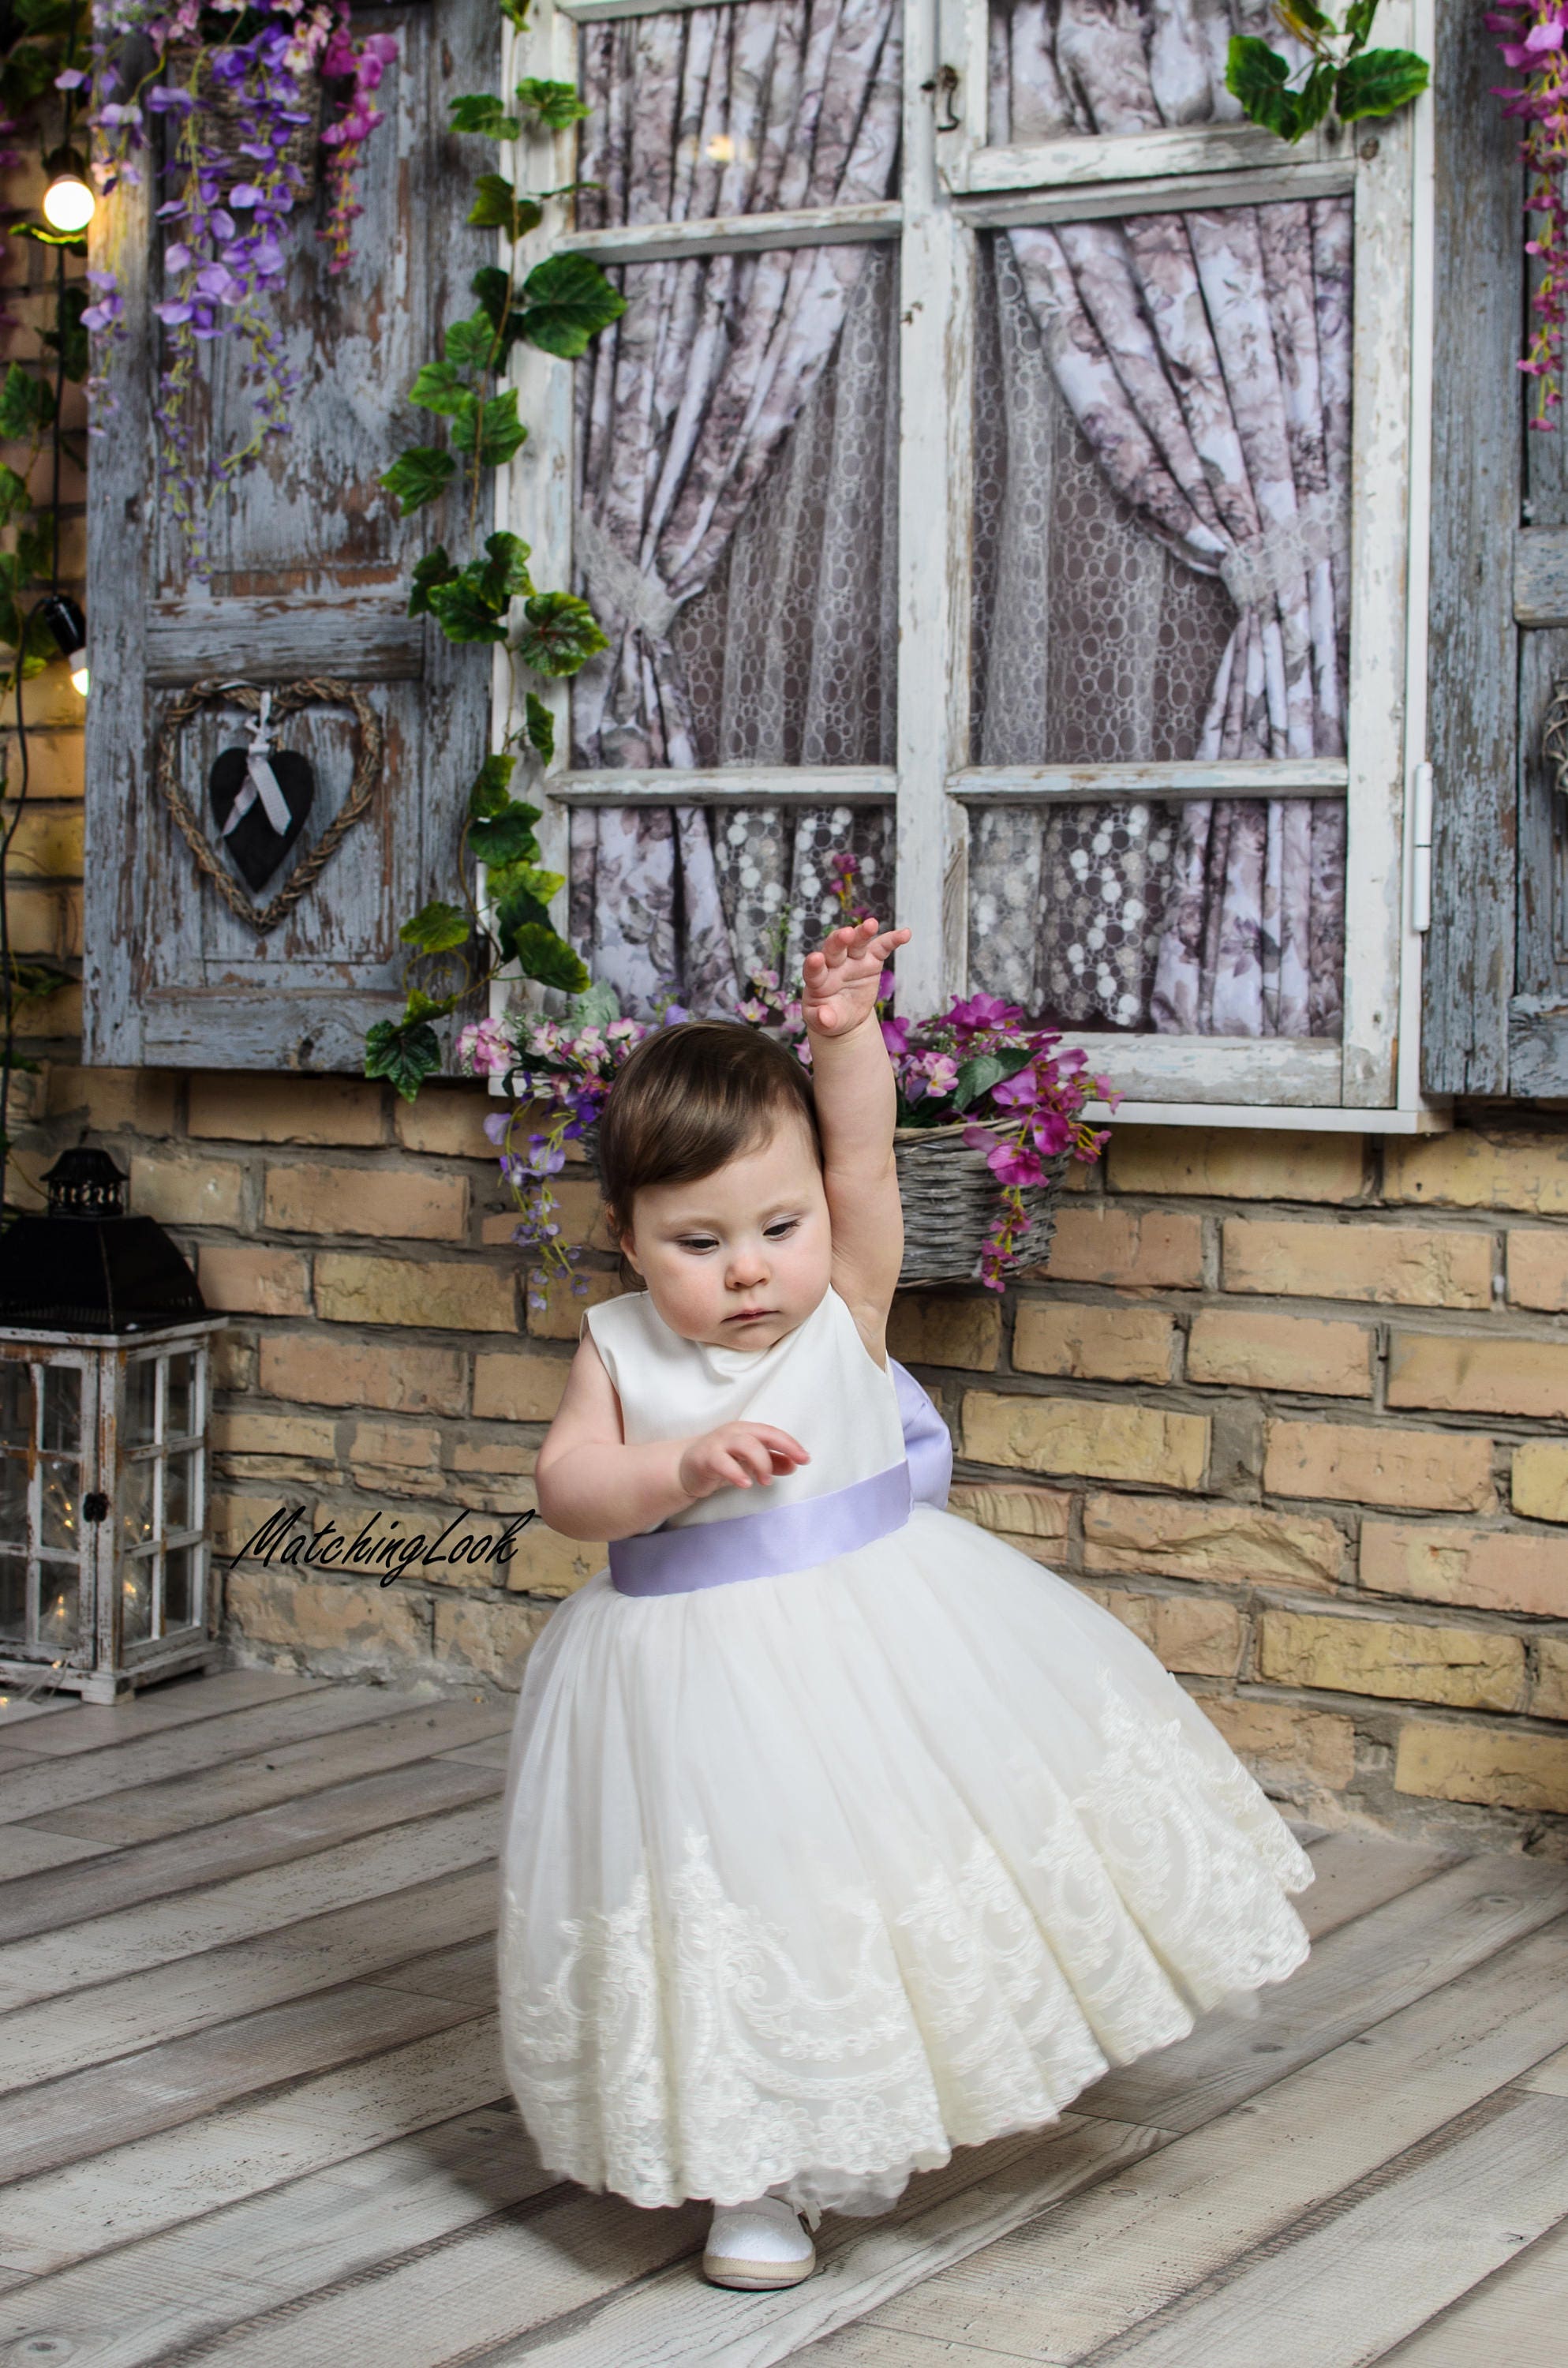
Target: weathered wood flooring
<point>252,2110</point>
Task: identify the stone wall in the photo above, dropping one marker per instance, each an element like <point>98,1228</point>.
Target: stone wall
<point>1290,1405</point>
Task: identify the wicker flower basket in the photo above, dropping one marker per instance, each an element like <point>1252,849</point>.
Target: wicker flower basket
<point>949,1202</point>
<point>222,112</point>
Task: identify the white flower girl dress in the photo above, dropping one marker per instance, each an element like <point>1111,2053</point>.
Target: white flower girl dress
<point>837,1832</point>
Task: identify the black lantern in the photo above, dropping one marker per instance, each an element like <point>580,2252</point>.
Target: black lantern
<point>104,1396</point>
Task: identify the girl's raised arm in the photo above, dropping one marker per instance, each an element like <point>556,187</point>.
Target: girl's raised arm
<point>857,1108</point>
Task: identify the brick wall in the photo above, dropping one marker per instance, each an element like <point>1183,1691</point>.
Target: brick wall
<point>1292,1405</point>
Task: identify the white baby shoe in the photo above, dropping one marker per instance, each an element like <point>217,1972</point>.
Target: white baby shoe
<point>758,2244</point>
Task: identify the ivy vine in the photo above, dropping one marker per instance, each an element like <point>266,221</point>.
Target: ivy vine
<point>485,594</point>
<point>1340,75</point>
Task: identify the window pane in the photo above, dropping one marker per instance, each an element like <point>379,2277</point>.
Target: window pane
<point>136,1504</point>
<point>179,1581</point>
<point>1064,66</point>
<point>176,1493</point>
<point>1162,537</point>
<point>60,1531</point>
<point>16,1402</point>
<point>13,1600</point>
<point>136,1599</point>
<point>754,109</point>
<point>59,1605</point>
<point>63,1407</point>
<point>14,1500</point>
<point>140,1385</point>
<point>177,1398</point>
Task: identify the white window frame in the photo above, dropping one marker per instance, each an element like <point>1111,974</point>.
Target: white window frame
<point>956,184</point>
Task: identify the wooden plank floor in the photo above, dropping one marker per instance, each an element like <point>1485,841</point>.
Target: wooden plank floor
<point>252,2109</point>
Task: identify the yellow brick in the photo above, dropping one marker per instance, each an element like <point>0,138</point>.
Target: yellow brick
<point>492,1639</point>
<point>1481,1763</point>
<point>504,1458</point>
<point>246,1431</point>
<point>1507,1169</point>
<point>323,1370</point>
<point>235,1517</point>
<point>448,1120</point>
<point>946,1328</point>
<point>144,1099</point>
<point>579,1212</point>
<point>1283,1743</point>
<point>1251,1350</point>
<point>1500,1570</point>
<point>1444,1471</point>
<point>1237,1544</point>
<point>237,1108</point>
<point>547,1563</point>
<point>1410,1264</point>
<point>1540,1489</point>
<point>401,1445</point>
<point>1549,1696</point>
<point>204,1191</point>
<point>393,1204</point>
<point>1538,1269</point>
<point>525,1388</point>
<point>333,1616</point>
<point>1102,1441</point>
<point>50,1019</point>
<point>56,760</point>
<point>1237,1163</point>
<point>1152,1250</point>
<point>36,921</point>
<point>1094,1343</point>
<point>252,1280</point>
<point>446,1294</point>
<point>1186,1632</point>
<point>1014,1513</point>
<point>561,1319</point>
<point>233,1360</point>
<point>47,843</point>
<point>1401,1659</point>
<point>1475,1376</point>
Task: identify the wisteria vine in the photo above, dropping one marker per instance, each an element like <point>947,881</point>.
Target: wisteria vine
<point>1532,41</point>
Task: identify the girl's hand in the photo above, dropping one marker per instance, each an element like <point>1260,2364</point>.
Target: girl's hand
<point>839,985</point>
<point>735,1455</point>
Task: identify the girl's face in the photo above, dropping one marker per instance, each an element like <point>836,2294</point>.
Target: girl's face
<point>740,1257</point>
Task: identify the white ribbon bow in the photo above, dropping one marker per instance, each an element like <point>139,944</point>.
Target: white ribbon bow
<point>260,780</point>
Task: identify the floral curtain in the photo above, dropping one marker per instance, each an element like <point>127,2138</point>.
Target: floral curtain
<point>1205,357</point>
<point>685,403</point>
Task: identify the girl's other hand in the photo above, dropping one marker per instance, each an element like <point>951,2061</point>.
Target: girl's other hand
<point>736,1455</point>
<point>839,985</point>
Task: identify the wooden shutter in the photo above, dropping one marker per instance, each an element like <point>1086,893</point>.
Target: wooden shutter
<point>311,575</point>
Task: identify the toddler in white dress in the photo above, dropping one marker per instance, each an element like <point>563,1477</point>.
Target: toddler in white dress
<point>836,1832</point>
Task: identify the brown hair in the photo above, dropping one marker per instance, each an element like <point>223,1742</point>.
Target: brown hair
<point>689,1098</point>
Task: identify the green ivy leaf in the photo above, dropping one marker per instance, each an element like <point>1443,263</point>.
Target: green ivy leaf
<point>560,633</point>
<point>1301,18</point>
<point>497,428</point>
<point>566,301</point>
<point>1359,22</point>
<point>506,837</point>
<point>463,611</point>
<point>35,560</point>
<point>435,929</point>
<point>470,344</point>
<point>432,569</point>
<point>421,1005</point>
<point>405,1054</point>
<point>488,795</point>
<point>507,574</point>
<point>68,337</point>
<point>417,475</point>
<point>977,1076</point>
<point>26,405</point>
<point>498,207</point>
<point>516,13</point>
<point>540,953</point>
<point>14,495</point>
<point>540,726</point>
<point>555,103</point>
<point>440,388</point>
<point>485,115</point>
<point>512,910</point>
<point>1379,82</point>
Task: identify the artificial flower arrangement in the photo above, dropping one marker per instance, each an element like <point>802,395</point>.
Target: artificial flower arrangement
<point>978,1069</point>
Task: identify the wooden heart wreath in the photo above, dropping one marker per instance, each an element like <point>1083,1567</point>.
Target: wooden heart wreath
<point>319,691</point>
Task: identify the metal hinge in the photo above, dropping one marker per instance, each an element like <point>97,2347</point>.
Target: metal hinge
<point>1421,842</point>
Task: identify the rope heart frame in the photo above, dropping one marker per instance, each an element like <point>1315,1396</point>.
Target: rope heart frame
<point>314,691</point>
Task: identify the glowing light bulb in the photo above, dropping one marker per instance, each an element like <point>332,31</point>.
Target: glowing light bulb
<point>82,678</point>
<point>721,148</point>
<point>68,202</point>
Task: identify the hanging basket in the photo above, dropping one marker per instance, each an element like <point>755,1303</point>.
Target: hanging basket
<point>221,113</point>
<point>949,1202</point>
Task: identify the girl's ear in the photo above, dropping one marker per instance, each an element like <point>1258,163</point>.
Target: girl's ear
<point>629,1255</point>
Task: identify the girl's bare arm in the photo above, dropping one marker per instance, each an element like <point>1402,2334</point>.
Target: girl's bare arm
<point>592,1485</point>
<point>857,1108</point>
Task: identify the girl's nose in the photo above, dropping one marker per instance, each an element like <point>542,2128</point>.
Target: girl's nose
<point>748,1268</point>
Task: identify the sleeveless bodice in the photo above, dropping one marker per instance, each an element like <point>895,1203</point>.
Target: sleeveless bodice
<point>819,1383</point>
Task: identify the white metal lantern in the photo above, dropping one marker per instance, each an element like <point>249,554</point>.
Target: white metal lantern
<point>104,1552</point>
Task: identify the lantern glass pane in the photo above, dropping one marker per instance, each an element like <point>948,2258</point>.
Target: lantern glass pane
<point>14,1500</point>
<point>135,1505</point>
<point>61,1407</point>
<point>59,1529</point>
<point>58,1604</point>
<point>13,1596</point>
<point>177,1494</point>
<point>141,1384</point>
<point>16,1402</point>
<point>179,1395</point>
<point>136,1599</point>
<point>179,1587</point>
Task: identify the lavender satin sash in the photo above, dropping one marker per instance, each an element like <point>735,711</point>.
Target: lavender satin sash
<point>926,1439</point>
<point>766,1544</point>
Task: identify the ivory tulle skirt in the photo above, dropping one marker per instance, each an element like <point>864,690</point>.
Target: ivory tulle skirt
<point>807,1880</point>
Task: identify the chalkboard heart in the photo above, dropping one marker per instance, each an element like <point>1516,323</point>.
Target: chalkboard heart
<point>256,848</point>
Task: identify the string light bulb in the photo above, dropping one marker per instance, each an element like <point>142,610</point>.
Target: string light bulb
<point>68,203</point>
<point>65,621</point>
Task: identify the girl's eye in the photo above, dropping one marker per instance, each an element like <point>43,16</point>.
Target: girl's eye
<point>785,1225</point>
<point>697,1242</point>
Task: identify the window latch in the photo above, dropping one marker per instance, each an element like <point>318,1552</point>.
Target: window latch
<point>1421,848</point>
<point>945,83</point>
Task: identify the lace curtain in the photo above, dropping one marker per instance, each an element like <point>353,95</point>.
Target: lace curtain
<point>1205,359</point>
<point>685,407</point>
